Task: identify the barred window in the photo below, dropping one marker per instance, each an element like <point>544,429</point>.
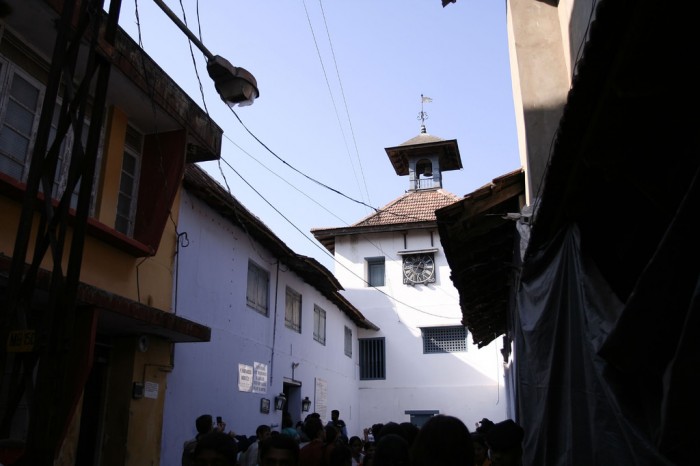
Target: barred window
<point>292,310</point>
<point>372,359</point>
<point>258,288</point>
<point>319,325</point>
<point>452,339</point>
<point>348,342</point>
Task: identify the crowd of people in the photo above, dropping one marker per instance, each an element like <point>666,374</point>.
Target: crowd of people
<point>443,440</point>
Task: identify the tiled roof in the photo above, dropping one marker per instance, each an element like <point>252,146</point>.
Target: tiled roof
<point>414,209</point>
<point>414,206</point>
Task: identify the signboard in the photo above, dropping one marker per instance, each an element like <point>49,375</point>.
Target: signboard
<point>245,377</point>
<point>321,397</point>
<point>151,390</point>
<point>260,377</point>
<point>21,341</point>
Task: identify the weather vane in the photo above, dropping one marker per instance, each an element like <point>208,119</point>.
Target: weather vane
<point>422,116</point>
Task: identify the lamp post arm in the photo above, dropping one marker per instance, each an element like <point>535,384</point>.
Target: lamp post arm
<point>183,28</point>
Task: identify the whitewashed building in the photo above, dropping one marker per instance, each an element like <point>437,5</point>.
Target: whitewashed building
<point>278,324</point>
<point>392,266</point>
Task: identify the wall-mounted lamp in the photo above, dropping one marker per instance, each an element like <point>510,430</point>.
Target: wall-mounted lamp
<point>305,404</point>
<point>280,400</point>
<point>235,85</point>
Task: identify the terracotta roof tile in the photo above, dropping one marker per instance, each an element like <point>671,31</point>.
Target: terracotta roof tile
<point>414,206</point>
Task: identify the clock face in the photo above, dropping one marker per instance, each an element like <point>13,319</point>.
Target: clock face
<point>418,268</point>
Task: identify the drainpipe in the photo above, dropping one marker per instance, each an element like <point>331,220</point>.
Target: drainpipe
<point>274,324</point>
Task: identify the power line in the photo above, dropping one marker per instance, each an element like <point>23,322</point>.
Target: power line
<point>345,102</point>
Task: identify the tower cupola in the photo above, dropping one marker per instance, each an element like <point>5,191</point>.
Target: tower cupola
<point>424,157</point>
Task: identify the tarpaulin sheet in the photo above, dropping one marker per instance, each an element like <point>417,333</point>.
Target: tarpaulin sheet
<point>595,379</point>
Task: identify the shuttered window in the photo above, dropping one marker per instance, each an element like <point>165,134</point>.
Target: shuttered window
<point>292,310</point>
<point>258,288</point>
<point>319,325</point>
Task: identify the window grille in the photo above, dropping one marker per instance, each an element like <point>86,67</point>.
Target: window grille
<point>452,339</point>
<point>258,288</point>
<point>372,359</point>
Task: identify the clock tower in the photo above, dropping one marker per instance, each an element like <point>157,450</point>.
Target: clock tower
<point>392,266</point>
<point>423,158</point>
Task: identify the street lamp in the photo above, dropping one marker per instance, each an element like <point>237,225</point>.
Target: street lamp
<point>235,85</point>
<point>305,404</point>
<point>280,400</point>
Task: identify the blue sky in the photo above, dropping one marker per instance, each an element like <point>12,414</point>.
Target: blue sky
<point>340,80</point>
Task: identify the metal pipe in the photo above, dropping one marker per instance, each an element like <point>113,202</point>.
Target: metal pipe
<point>183,28</point>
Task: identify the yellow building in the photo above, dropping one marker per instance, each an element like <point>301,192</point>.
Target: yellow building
<point>99,366</point>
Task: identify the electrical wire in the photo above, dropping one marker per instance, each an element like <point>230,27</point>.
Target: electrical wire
<point>345,102</point>
<point>325,251</point>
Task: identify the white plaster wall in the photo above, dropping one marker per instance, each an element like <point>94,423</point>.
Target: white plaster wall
<point>211,290</point>
<point>468,385</point>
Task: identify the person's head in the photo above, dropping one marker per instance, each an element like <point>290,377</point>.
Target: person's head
<point>443,440</point>
<point>355,444</point>
<point>484,425</point>
<point>279,450</point>
<point>390,427</point>
<point>313,428</point>
<point>335,414</point>
<point>204,423</point>
<point>262,432</point>
<point>504,440</point>
<point>376,430</point>
<point>216,449</point>
<point>409,431</point>
<point>391,450</point>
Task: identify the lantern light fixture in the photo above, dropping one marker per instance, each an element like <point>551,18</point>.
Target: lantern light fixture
<point>305,404</point>
<point>280,400</point>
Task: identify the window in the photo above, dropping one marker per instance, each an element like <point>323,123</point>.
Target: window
<point>319,325</point>
<point>375,271</point>
<point>348,342</point>
<point>372,359</point>
<point>129,182</point>
<point>64,157</point>
<point>292,310</point>
<point>258,288</point>
<point>452,339</point>
<point>19,114</point>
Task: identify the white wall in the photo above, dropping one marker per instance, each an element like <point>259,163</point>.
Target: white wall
<point>468,385</point>
<point>211,290</point>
